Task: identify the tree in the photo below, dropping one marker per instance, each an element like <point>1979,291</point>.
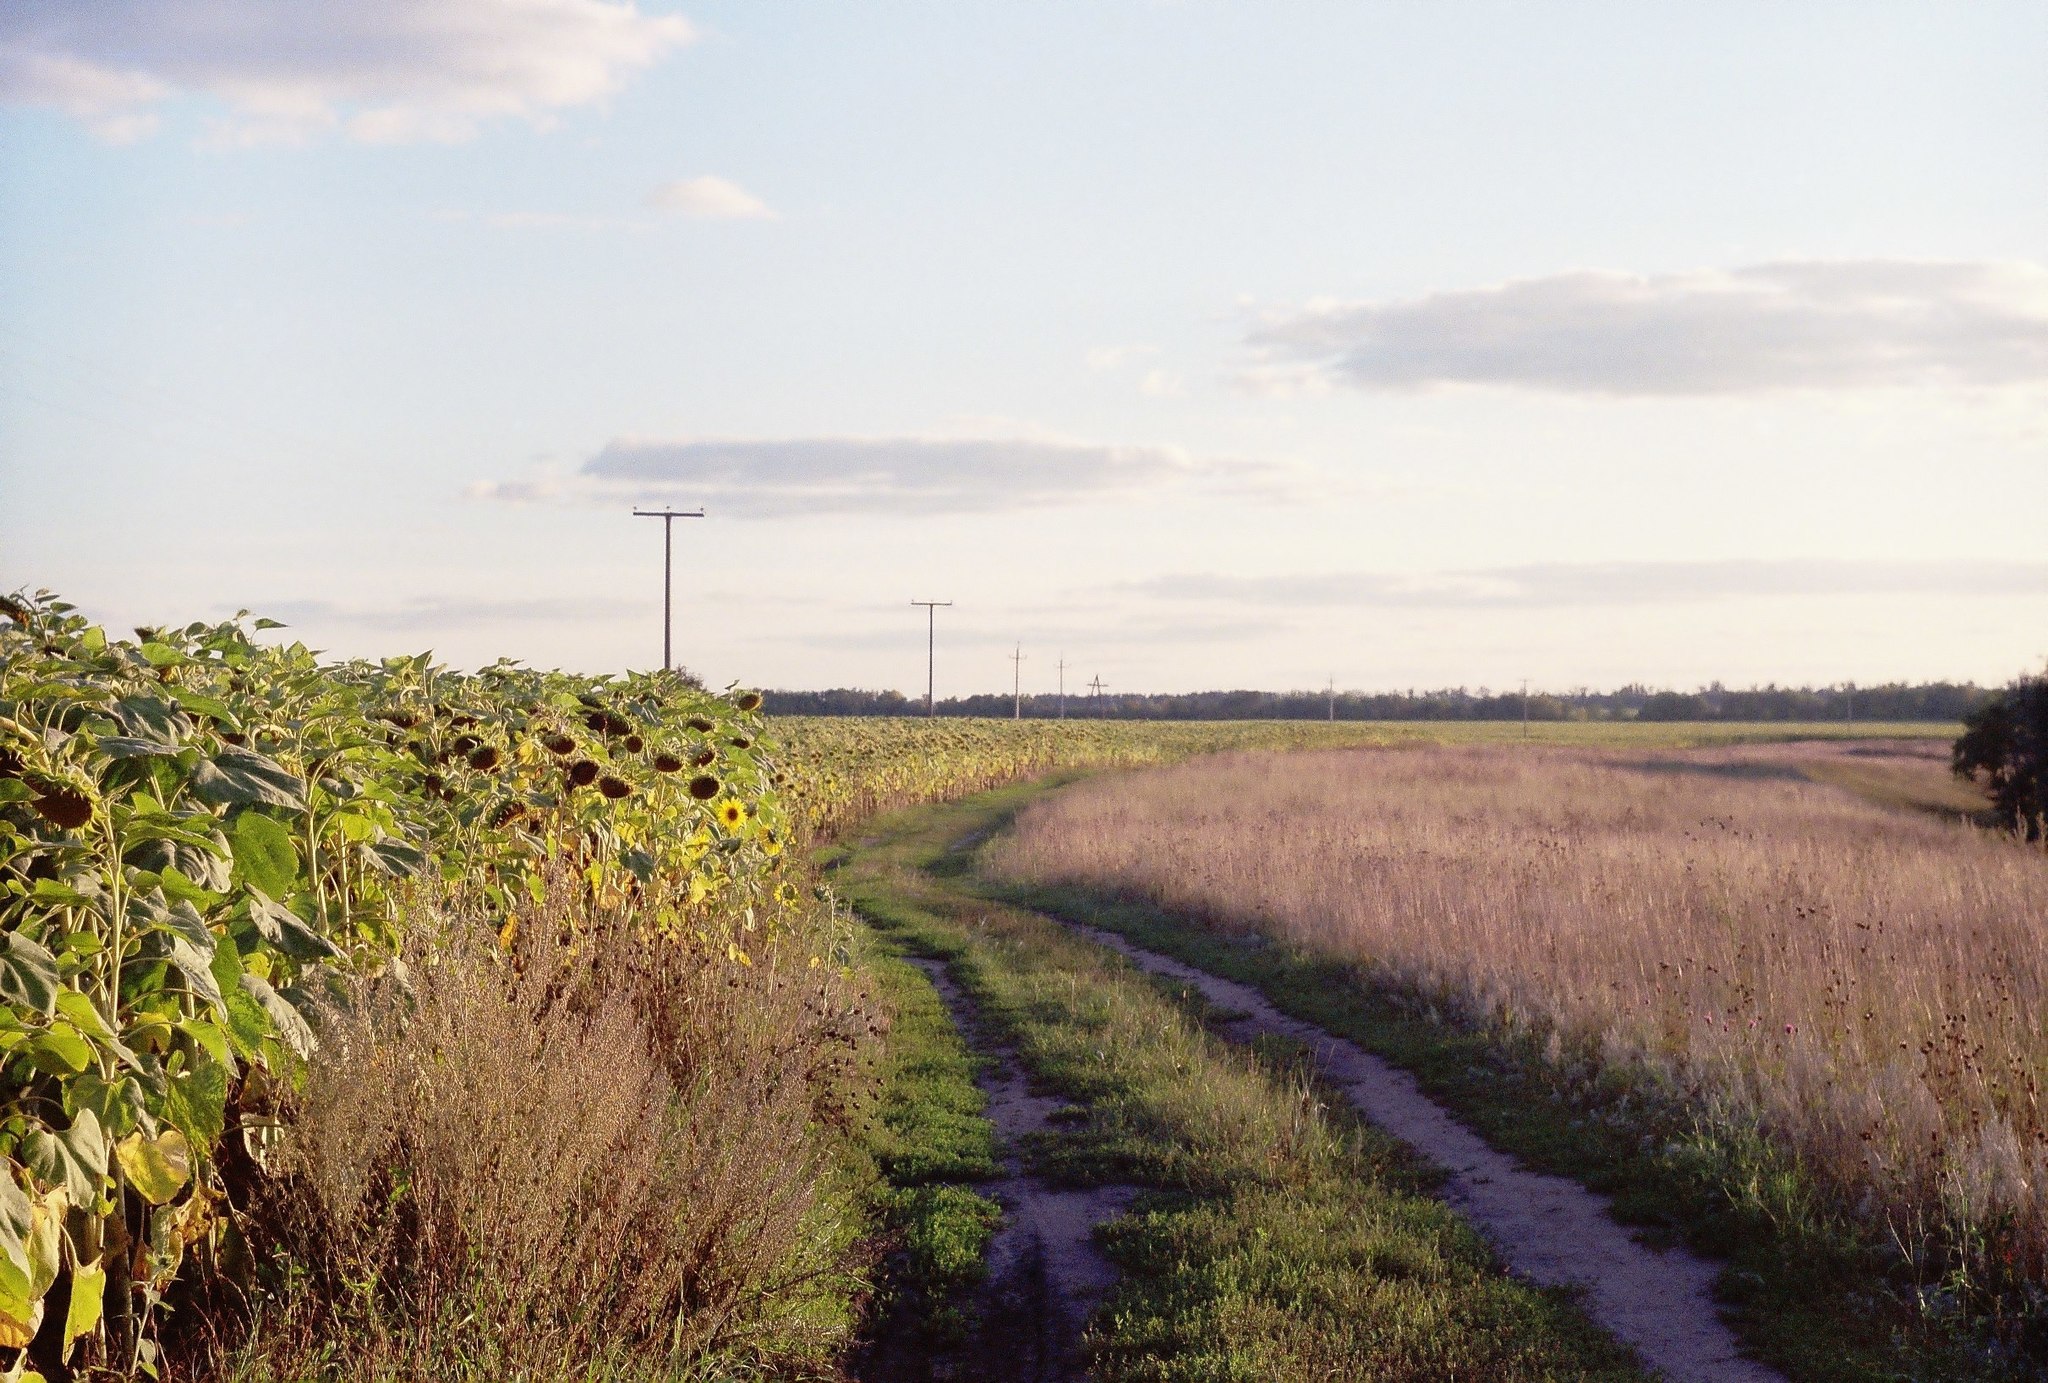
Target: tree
<point>2007,741</point>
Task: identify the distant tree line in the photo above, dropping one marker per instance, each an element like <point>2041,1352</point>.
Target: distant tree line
<point>1894,701</point>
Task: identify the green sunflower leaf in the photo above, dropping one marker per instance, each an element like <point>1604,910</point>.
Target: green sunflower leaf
<point>264,855</point>
<point>28,974</point>
<point>236,777</point>
<point>75,1159</point>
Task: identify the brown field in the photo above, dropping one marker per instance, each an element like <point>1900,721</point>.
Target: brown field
<point>1806,939</point>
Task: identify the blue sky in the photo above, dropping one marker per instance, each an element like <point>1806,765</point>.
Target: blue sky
<point>1202,344</point>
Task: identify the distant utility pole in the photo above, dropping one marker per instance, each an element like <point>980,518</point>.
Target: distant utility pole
<point>668,518</point>
<point>1096,687</point>
<point>1017,683</point>
<point>1063,686</point>
<point>931,616</point>
<point>1333,697</point>
<point>1525,708</point>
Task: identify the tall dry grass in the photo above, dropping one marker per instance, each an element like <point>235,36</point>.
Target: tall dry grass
<point>1864,984</point>
<point>590,1155</point>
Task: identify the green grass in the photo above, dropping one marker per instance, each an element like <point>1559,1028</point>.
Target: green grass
<point>929,1127</point>
<point>1281,1239</point>
<point>928,1141</point>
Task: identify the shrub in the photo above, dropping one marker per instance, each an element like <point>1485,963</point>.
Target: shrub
<point>2007,741</point>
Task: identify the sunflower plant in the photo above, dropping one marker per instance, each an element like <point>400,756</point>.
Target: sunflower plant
<point>201,834</point>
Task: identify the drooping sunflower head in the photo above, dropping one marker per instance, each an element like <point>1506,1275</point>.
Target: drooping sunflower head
<point>667,763</point>
<point>749,701</point>
<point>608,723</point>
<point>61,804</point>
<point>703,787</point>
<point>583,773</point>
<point>613,788</point>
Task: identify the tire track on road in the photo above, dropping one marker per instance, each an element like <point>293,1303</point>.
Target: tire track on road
<point>1046,1275</point>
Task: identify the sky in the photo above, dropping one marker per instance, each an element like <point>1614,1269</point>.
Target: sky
<point>1186,345</point>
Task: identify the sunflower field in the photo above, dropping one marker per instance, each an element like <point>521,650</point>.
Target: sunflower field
<point>200,834</point>
<point>843,769</point>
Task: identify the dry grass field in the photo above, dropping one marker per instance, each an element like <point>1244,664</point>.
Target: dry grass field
<point>1805,939</point>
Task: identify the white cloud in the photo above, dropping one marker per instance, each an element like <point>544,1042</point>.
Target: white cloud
<point>755,478</point>
<point>1157,381</point>
<point>379,70</point>
<point>1107,358</point>
<point>1162,384</point>
<point>1284,381</point>
<point>711,199</point>
<point>33,75</point>
<point>1610,583</point>
<point>1795,325</point>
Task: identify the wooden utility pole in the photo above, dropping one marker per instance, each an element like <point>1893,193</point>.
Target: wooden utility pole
<point>1063,686</point>
<point>668,518</point>
<point>1017,683</point>
<point>1333,697</point>
<point>931,617</point>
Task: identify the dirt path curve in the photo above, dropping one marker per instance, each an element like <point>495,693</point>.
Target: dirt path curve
<point>1548,1229</point>
<point>1045,1273</point>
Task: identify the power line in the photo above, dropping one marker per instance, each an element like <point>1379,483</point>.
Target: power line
<point>668,518</point>
<point>931,617</point>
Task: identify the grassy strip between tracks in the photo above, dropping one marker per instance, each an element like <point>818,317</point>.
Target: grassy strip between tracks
<point>1806,1291</point>
<point>1282,1239</point>
<point>930,1143</point>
